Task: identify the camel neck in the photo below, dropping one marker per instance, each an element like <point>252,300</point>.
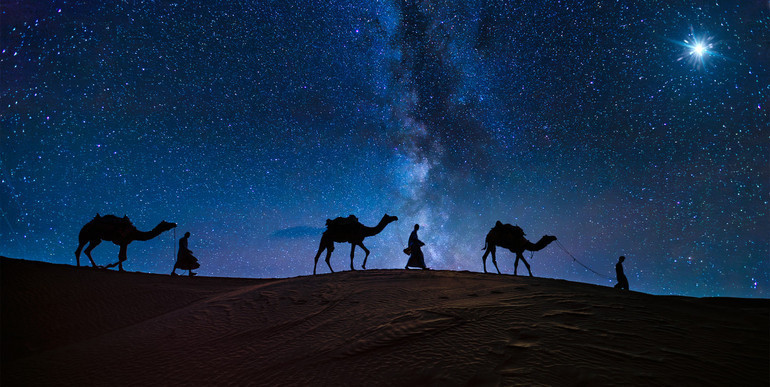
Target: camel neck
<point>369,231</point>
<point>147,235</point>
<point>539,245</point>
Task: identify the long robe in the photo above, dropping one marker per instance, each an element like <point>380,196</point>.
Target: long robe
<point>184,258</point>
<point>416,258</point>
<point>622,280</point>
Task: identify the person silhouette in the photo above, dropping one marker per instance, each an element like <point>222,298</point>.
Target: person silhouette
<point>622,280</point>
<point>416,258</point>
<point>184,258</point>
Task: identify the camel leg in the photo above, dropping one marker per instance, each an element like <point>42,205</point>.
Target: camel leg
<point>484,259</point>
<point>122,256</point>
<point>516,264</point>
<point>329,256</point>
<point>321,248</point>
<point>494,260</point>
<point>352,252</point>
<point>366,256</point>
<point>527,265</point>
<point>77,252</point>
<point>90,247</point>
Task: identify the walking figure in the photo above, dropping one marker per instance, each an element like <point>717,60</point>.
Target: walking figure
<point>184,258</point>
<point>416,258</point>
<point>622,280</point>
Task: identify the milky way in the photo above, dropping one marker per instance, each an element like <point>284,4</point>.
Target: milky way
<point>621,128</point>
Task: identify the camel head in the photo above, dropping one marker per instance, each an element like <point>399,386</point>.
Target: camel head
<point>389,219</point>
<point>546,240</point>
<point>165,226</point>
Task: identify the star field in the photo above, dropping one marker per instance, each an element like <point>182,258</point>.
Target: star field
<point>621,129</point>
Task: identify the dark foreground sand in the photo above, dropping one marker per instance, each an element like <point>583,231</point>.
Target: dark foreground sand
<point>63,325</point>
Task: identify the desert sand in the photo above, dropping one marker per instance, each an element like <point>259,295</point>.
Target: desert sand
<point>63,325</point>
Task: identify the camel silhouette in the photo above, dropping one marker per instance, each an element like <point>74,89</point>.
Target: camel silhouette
<point>119,231</point>
<point>348,230</point>
<point>512,238</point>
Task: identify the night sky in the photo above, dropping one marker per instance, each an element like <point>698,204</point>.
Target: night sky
<point>623,128</point>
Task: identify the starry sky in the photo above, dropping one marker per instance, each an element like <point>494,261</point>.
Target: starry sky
<point>620,127</point>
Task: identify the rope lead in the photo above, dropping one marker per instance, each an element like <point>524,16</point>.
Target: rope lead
<point>581,263</point>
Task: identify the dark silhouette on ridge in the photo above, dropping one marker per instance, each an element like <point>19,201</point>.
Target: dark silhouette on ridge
<point>348,230</point>
<point>119,231</point>
<point>512,238</point>
<point>185,260</point>
<point>622,280</point>
<point>416,258</point>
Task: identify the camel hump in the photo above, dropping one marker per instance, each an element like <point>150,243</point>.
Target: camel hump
<point>509,229</point>
<point>113,221</point>
<point>515,230</point>
<point>341,221</point>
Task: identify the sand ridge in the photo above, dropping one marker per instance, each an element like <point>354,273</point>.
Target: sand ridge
<point>75,326</point>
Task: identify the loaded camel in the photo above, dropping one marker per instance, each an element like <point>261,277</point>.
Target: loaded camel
<point>348,230</point>
<point>512,238</point>
<point>119,231</point>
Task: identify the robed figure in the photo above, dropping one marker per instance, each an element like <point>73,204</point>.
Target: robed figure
<point>416,258</point>
<point>185,260</point>
<point>622,280</point>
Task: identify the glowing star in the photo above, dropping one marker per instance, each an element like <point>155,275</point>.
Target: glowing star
<point>697,49</point>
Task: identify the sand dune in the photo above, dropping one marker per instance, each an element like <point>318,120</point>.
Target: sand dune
<point>63,325</point>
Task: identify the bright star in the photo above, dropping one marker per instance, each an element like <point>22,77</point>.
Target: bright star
<point>698,49</point>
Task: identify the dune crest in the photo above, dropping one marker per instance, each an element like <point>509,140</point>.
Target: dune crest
<point>78,326</point>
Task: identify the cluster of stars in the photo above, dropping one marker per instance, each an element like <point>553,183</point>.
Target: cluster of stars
<point>636,131</point>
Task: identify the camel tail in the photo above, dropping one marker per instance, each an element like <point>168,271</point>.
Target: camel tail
<point>485,245</point>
